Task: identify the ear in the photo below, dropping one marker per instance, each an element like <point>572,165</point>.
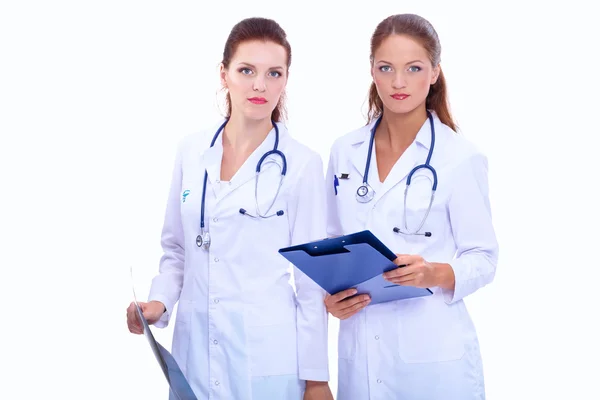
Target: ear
<point>436,74</point>
<point>223,75</point>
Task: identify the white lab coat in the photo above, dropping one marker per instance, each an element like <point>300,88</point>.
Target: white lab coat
<point>423,348</point>
<point>240,329</point>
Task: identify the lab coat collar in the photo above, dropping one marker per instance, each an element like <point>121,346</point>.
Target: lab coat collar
<point>214,155</point>
<point>423,136</point>
<point>402,167</point>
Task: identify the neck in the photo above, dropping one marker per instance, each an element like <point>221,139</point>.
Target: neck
<point>398,131</point>
<point>244,135</point>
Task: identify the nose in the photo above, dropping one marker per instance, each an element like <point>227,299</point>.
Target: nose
<point>399,81</point>
<point>259,84</point>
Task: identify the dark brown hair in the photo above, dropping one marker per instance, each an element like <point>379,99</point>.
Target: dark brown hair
<point>421,30</point>
<point>257,29</point>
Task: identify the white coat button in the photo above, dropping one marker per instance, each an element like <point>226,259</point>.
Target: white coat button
<point>218,181</point>
<point>216,259</point>
<point>216,301</point>
<point>217,383</point>
<point>376,337</point>
<point>215,219</point>
<point>378,380</point>
<point>215,341</point>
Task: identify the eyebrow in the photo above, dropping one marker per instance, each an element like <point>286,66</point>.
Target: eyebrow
<point>252,66</point>
<point>410,62</point>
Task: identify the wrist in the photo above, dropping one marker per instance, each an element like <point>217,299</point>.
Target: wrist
<point>444,275</point>
<point>159,305</point>
<point>316,383</point>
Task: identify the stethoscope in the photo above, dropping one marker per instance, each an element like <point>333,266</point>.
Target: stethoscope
<point>203,239</point>
<point>365,192</point>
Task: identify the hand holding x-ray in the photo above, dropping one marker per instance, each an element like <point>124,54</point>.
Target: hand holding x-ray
<point>152,311</point>
<point>179,386</point>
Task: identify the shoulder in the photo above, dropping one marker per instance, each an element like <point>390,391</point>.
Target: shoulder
<point>351,139</point>
<point>459,150</point>
<point>299,156</point>
<point>199,140</point>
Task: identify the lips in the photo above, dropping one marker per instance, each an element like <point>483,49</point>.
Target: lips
<point>400,96</point>
<point>257,100</point>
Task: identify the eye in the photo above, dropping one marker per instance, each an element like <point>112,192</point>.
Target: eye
<point>245,71</point>
<point>385,68</point>
<point>274,74</point>
<point>414,68</point>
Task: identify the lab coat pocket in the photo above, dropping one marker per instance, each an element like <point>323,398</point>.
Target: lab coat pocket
<point>273,349</point>
<point>348,338</point>
<point>181,333</point>
<point>428,331</point>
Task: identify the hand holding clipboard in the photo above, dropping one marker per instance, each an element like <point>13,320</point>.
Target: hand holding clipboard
<point>356,261</point>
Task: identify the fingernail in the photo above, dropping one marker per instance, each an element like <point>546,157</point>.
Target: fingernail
<point>354,291</point>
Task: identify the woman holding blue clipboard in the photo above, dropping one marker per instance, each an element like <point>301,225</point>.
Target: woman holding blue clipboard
<point>423,191</point>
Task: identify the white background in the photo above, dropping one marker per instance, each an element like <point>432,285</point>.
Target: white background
<point>95,95</point>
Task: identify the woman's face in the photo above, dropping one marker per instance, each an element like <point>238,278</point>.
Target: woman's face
<point>256,78</point>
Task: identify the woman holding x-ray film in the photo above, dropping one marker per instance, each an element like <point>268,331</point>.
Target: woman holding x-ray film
<point>422,189</point>
<point>241,191</point>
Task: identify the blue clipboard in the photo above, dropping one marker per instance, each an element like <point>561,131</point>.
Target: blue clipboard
<point>351,261</point>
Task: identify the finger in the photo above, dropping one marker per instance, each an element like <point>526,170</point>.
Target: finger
<point>354,302</point>
<point>404,281</point>
<point>336,298</point>
<point>347,315</point>
<point>400,258</point>
<point>401,271</point>
<point>354,310</point>
<point>137,331</point>
<point>131,308</point>
<point>347,306</point>
<point>412,282</point>
<point>347,303</point>
<point>133,324</point>
<point>356,307</point>
<point>406,259</point>
<point>134,318</point>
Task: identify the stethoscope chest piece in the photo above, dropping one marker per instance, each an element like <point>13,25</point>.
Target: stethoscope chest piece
<point>364,193</point>
<point>203,240</point>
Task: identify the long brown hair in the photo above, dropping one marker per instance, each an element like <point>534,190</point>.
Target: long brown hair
<point>257,29</point>
<point>421,30</point>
